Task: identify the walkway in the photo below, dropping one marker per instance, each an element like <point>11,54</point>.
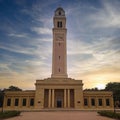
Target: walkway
<point>59,115</point>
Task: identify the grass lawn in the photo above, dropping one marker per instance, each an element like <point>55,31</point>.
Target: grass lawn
<point>8,114</point>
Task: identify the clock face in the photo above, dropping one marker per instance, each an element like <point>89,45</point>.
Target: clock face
<point>59,38</point>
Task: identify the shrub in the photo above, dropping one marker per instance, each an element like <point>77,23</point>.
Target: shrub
<point>8,114</point>
<point>109,114</point>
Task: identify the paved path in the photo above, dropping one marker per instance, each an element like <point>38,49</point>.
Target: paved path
<point>79,115</point>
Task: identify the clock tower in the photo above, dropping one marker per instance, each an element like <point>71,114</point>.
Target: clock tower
<point>59,59</point>
<point>58,91</point>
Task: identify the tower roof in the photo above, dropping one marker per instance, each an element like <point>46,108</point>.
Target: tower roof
<point>59,12</point>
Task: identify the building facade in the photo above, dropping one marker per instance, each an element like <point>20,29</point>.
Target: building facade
<point>58,91</point>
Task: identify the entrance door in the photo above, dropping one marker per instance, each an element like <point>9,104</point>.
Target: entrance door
<point>59,103</point>
<point>59,98</point>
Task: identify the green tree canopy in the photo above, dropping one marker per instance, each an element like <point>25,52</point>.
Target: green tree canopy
<point>13,88</point>
<point>1,98</point>
<point>92,89</point>
<point>115,88</point>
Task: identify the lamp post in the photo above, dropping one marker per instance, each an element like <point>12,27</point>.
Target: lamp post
<point>114,104</point>
<point>3,102</point>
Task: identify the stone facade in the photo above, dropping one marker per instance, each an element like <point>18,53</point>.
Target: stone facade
<point>19,100</point>
<point>98,100</point>
<point>53,93</point>
<point>59,91</point>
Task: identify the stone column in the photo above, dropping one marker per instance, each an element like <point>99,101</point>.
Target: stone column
<point>27,102</point>
<point>49,103</point>
<point>89,102</point>
<point>111,102</point>
<point>104,101</point>
<point>5,101</point>
<point>96,102</point>
<point>53,98</point>
<point>68,98</point>
<point>64,98</point>
<point>12,102</point>
<point>20,102</point>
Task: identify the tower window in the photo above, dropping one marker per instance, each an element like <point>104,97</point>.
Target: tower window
<point>59,69</point>
<point>59,57</point>
<point>59,24</point>
<point>59,12</point>
<point>59,44</point>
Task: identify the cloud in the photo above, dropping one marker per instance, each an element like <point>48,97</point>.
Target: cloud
<point>93,50</point>
<point>18,35</point>
<point>101,76</point>
<point>40,30</point>
<point>16,71</point>
<point>108,16</point>
<point>30,71</point>
<point>78,47</point>
<point>86,57</point>
<point>17,48</point>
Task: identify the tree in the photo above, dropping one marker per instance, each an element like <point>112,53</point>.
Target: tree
<point>13,88</point>
<point>1,98</point>
<point>115,88</point>
<point>92,89</point>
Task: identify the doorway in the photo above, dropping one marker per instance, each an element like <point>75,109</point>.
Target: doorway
<point>59,98</point>
<point>59,103</point>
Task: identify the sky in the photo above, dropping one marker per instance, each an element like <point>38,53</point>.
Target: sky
<point>93,41</point>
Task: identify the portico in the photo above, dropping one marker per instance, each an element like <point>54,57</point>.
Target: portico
<point>59,93</point>
<point>59,98</point>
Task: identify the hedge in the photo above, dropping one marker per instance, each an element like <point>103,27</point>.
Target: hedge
<point>110,114</point>
<point>8,114</point>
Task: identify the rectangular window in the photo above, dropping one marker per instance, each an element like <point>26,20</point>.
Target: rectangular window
<point>85,102</point>
<point>16,101</point>
<point>59,24</point>
<point>24,102</point>
<point>31,102</point>
<point>59,44</point>
<point>107,102</point>
<point>8,102</point>
<point>100,102</point>
<point>59,57</point>
<point>93,102</point>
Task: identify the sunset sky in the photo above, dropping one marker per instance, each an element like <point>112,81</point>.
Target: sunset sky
<point>93,41</point>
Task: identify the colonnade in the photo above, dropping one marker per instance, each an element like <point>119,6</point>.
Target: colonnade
<point>51,98</point>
